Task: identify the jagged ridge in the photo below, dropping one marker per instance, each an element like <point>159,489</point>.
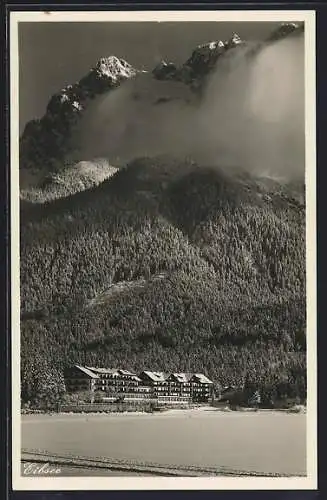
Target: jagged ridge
<point>46,142</point>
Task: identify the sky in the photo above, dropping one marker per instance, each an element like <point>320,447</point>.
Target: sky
<point>53,55</point>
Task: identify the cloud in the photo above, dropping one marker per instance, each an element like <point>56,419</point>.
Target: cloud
<point>253,112</point>
<point>250,116</point>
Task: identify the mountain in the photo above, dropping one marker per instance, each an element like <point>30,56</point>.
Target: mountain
<point>201,62</point>
<point>166,266</point>
<point>164,263</point>
<point>53,143</point>
<point>204,58</point>
<point>47,141</point>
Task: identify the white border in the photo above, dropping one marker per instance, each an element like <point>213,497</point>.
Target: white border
<point>140,483</point>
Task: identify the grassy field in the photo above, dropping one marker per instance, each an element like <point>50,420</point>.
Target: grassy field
<point>255,443</point>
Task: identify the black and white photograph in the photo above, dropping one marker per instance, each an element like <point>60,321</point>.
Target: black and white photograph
<point>163,249</point>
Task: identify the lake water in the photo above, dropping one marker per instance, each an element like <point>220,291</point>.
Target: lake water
<point>263,442</point>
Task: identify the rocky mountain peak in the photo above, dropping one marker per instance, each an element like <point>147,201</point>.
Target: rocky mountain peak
<point>286,29</point>
<point>205,56</point>
<point>199,64</point>
<point>114,68</point>
<point>49,137</point>
<point>233,41</point>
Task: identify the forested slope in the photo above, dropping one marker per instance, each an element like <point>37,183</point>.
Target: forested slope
<point>166,265</point>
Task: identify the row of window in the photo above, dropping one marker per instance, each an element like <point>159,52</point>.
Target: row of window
<point>159,391</point>
<point>173,398</point>
<point>104,381</point>
<point>116,377</point>
<point>181,384</point>
<point>179,389</point>
<point>184,386</point>
<point>116,382</point>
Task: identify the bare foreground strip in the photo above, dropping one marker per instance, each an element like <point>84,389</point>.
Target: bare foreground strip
<point>119,465</point>
<point>193,442</point>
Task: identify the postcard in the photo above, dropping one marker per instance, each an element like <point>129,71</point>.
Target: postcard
<point>163,250</point>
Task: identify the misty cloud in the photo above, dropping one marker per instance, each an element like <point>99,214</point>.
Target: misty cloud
<point>251,114</point>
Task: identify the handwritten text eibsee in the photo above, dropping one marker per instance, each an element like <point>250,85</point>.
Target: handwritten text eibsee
<point>33,469</point>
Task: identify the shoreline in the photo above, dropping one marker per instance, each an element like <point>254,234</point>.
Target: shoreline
<point>300,410</point>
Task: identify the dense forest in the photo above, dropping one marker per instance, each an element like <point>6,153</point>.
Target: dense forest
<point>166,266</point>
